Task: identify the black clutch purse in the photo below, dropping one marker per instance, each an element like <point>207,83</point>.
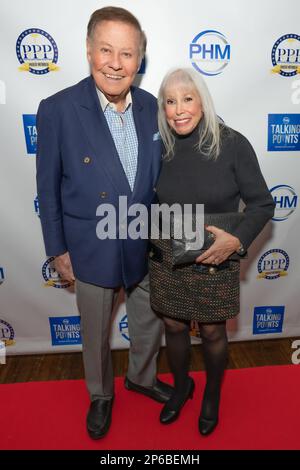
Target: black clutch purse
<point>182,253</point>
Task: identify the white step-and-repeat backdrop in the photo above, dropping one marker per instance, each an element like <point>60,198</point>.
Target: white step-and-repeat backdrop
<point>249,54</point>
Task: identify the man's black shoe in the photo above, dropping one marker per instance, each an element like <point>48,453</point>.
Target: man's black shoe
<point>160,391</point>
<point>99,418</point>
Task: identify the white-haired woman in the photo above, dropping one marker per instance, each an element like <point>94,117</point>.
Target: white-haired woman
<point>205,162</point>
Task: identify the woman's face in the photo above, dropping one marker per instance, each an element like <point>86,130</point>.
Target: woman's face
<point>183,108</point>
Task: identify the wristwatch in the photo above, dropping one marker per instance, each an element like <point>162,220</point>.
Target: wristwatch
<point>241,250</point>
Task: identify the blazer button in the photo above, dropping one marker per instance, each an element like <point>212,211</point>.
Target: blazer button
<point>103,195</point>
<point>154,189</point>
<point>87,160</point>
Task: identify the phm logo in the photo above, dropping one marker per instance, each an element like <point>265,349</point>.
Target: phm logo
<point>210,52</point>
<point>52,277</point>
<point>273,264</point>
<point>123,327</point>
<point>29,123</point>
<point>36,206</point>
<point>286,55</point>
<point>37,52</point>
<point>1,275</point>
<point>286,201</point>
<point>7,333</point>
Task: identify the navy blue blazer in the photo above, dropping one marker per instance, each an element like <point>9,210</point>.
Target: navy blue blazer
<point>78,168</point>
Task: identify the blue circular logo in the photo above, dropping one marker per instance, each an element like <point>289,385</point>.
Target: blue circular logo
<point>286,55</point>
<point>210,52</point>
<point>273,264</point>
<point>37,51</point>
<point>123,327</point>
<point>286,201</point>
<point>7,333</point>
<point>52,277</point>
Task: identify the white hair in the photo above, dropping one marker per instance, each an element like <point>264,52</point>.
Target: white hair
<point>209,138</point>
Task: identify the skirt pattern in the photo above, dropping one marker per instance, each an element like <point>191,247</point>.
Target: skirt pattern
<point>184,293</point>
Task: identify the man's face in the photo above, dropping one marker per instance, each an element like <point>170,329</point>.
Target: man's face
<point>113,54</point>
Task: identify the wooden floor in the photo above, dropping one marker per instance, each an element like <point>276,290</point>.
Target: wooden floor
<point>69,365</point>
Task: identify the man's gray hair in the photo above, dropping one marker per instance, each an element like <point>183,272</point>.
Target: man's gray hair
<point>117,14</point>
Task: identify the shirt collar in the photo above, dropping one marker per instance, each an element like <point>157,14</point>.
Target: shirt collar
<point>104,101</point>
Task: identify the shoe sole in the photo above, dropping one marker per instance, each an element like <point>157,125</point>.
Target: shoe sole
<point>96,436</point>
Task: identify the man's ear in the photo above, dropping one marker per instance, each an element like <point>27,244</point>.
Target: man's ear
<point>140,63</point>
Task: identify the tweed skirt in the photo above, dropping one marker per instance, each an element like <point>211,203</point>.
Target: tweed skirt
<point>182,292</point>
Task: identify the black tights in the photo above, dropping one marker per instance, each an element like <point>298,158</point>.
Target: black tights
<point>178,352</point>
<point>215,352</point>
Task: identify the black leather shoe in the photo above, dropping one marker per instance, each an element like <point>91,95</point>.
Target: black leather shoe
<point>99,418</point>
<point>160,392</point>
<point>170,413</point>
<point>206,426</point>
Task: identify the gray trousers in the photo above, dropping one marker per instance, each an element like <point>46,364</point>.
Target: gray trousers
<point>95,305</point>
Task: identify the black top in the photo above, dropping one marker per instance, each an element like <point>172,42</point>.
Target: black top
<point>192,178</point>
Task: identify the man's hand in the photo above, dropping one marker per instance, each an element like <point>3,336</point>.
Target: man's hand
<point>63,266</point>
<point>225,244</point>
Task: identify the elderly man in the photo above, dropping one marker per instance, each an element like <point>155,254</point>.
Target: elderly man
<point>97,141</point>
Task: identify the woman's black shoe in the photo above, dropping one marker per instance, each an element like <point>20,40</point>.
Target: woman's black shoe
<point>208,419</point>
<point>170,413</point>
<point>206,426</point>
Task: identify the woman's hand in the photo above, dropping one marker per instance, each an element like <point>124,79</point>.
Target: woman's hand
<point>224,245</point>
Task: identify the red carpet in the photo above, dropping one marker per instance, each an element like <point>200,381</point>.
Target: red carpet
<point>259,410</point>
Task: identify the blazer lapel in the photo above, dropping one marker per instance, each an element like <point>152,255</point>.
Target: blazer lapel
<point>145,148</point>
<point>97,131</point>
